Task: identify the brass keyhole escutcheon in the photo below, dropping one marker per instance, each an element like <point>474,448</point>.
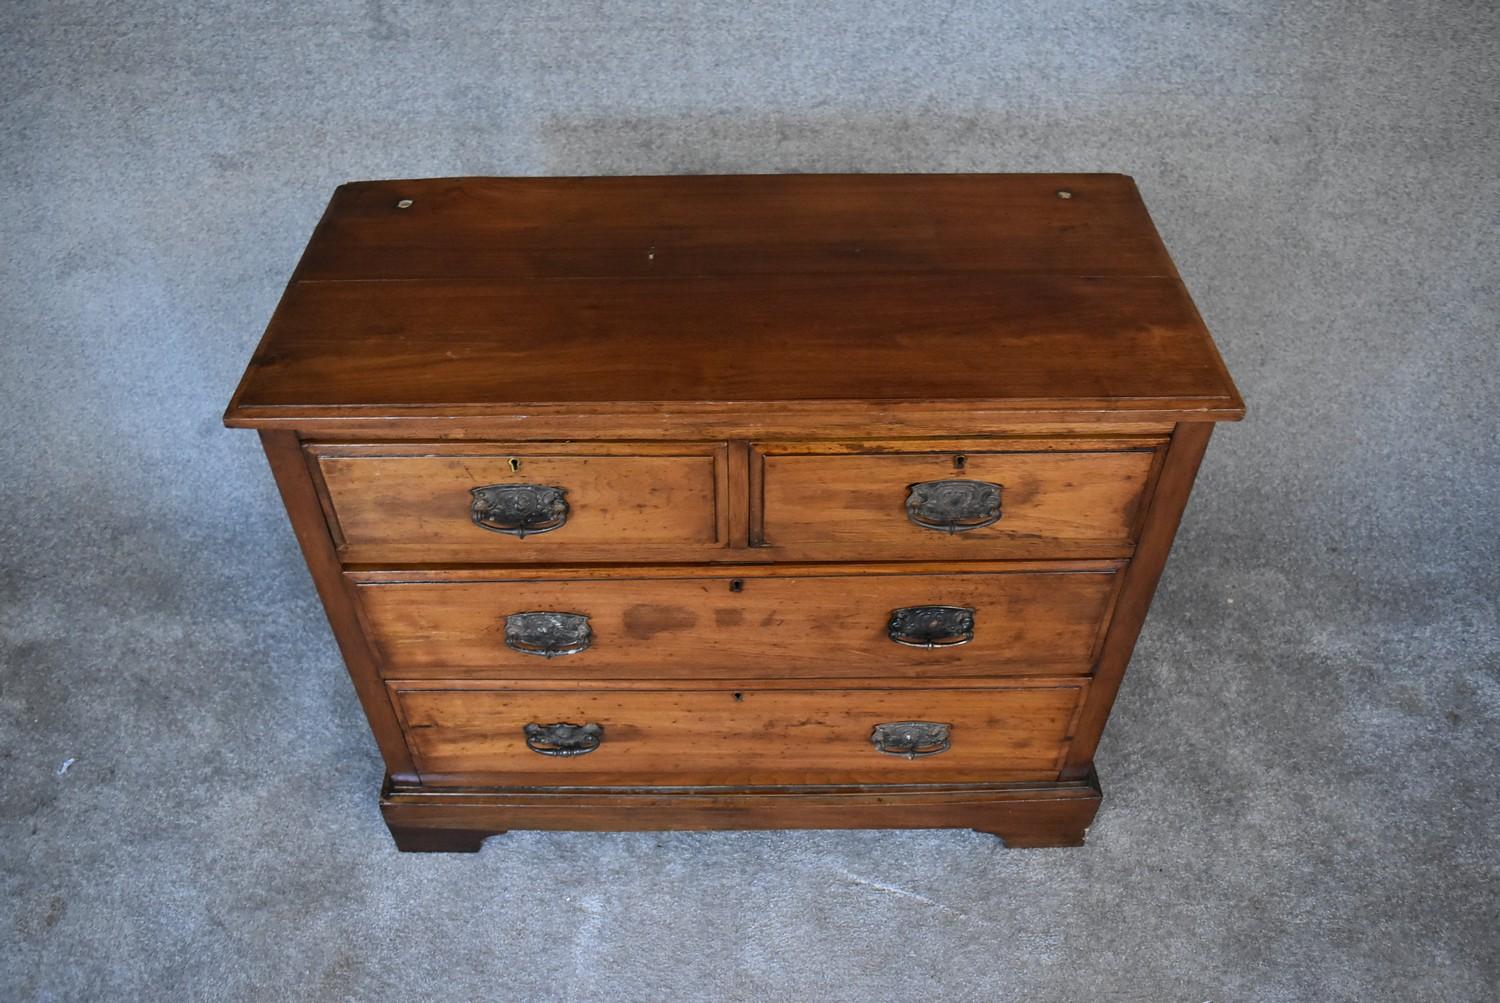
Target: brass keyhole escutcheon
<point>515,464</point>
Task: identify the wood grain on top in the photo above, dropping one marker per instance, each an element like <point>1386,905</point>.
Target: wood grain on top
<point>489,294</point>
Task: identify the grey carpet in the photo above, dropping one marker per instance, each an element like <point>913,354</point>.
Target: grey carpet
<point>1301,777</point>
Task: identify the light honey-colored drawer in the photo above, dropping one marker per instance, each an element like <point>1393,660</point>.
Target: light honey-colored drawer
<point>735,733</point>
<point>741,620</point>
<point>956,500</point>
<point>538,502</point>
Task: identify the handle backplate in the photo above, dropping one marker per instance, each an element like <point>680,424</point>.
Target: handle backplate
<point>911,739</point>
<point>953,506</point>
<point>563,739</point>
<point>519,510</point>
<point>547,633</point>
<point>931,626</point>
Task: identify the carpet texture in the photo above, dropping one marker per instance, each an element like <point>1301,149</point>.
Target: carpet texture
<point>1300,780</point>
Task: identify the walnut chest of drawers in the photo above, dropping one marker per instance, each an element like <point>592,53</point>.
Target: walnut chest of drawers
<point>736,502</point>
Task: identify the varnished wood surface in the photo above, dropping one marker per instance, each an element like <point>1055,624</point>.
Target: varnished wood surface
<point>689,421</point>
<point>812,504</point>
<point>428,345</point>
<point>990,290</point>
<point>736,225</point>
<point>295,481</point>
<point>412,504</point>
<point>1022,814</point>
<point>827,622</point>
<point>838,501</point>
<point>468,733</point>
<point>1168,502</point>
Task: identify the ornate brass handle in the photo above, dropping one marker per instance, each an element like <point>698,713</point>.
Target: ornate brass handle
<point>562,738</point>
<point>911,738</point>
<point>519,510</point>
<point>548,634</point>
<point>953,506</point>
<point>931,626</point>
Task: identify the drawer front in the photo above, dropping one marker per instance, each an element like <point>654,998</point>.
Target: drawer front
<point>748,621</point>
<point>540,502</point>
<point>816,504</point>
<point>735,734</point>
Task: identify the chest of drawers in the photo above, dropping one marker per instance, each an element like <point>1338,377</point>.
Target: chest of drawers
<point>736,502</point>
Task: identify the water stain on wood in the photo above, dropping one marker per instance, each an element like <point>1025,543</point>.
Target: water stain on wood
<point>644,621</point>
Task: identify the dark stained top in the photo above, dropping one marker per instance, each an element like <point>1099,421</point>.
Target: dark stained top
<point>489,294</point>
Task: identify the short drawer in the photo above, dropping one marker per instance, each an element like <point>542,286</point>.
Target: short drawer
<point>743,621</point>
<point>538,502</point>
<point>948,501</point>
<point>730,733</point>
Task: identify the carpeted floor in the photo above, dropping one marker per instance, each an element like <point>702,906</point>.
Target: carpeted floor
<point>1301,776</point>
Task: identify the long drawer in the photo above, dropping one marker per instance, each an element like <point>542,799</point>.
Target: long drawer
<point>745,621</point>
<point>735,733</point>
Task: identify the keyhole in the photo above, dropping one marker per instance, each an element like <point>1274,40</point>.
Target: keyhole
<point>515,464</point>
<point>737,697</point>
<point>960,461</point>
<point>736,585</point>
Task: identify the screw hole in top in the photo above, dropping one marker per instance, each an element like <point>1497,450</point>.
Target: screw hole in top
<point>404,204</point>
<point>1064,193</point>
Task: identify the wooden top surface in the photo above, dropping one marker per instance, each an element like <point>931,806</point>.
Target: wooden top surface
<point>486,296</point>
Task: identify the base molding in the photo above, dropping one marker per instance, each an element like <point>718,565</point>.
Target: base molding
<point>428,819</point>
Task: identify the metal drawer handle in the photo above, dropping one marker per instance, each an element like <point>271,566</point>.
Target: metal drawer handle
<point>931,626</point>
<point>953,506</point>
<point>563,739</point>
<point>911,738</point>
<point>519,510</point>
<point>547,634</point>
